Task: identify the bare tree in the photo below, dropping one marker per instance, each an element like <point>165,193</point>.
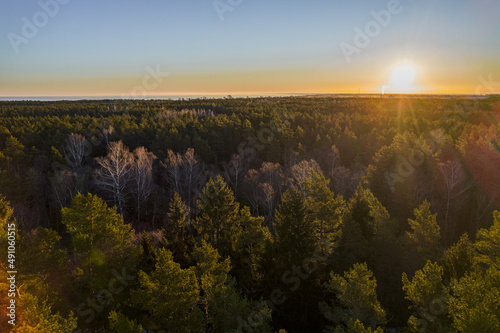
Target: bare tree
<point>115,172</point>
<point>173,164</point>
<point>142,175</point>
<point>263,187</point>
<point>302,171</point>
<point>234,173</point>
<point>185,174</point>
<point>193,176</point>
<point>454,176</point>
<point>75,150</point>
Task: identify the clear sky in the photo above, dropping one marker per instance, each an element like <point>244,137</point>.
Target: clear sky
<point>109,47</point>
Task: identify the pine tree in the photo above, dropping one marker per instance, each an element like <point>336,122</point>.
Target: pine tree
<point>422,243</point>
<point>295,236</point>
<point>176,235</point>
<point>356,298</point>
<point>170,295</point>
<point>324,211</point>
<point>217,221</point>
<point>101,241</point>
<point>223,306</point>
<point>429,298</point>
<point>488,242</point>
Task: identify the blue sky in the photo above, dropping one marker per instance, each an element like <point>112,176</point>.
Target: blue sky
<point>262,46</point>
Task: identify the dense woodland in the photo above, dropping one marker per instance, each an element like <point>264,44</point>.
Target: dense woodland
<point>292,214</point>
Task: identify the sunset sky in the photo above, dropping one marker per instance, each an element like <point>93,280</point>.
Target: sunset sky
<point>110,48</point>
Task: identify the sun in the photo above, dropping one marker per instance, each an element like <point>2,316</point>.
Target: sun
<point>402,78</point>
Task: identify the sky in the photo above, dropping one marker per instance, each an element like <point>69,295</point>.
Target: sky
<point>133,48</point>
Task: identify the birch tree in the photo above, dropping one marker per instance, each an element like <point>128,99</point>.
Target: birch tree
<point>115,172</point>
<point>142,175</point>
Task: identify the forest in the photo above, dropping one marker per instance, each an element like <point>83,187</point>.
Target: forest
<point>283,214</point>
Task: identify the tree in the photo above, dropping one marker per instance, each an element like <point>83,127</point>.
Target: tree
<point>75,150</point>
<point>429,298</point>
<point>250,247</point>
<point>355,326</point>
<point>294,235</point>
<point>37,316</point>
<point>422,243</point>
<point>355,298</point>
<point>176,235</point>
<point>474,306</point>
<point>43,264</point>
<point>324,211</point>
<point>366,230</point>
<point>142,175</point>
<point>13,152</point>
<point>459,259</point>
<point>222,305</point>
<point>118,323</point>
<point>115,172</point>
<point>170,295</point>
<point>488,242</point>
<point>454,176</point>
<point>217,220</point>
<point>234,173</point>
<point>100,239</point>
<point>185,174</point>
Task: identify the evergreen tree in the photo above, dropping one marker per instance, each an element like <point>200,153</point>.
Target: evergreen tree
<point>429,298</point>
<point>475,305</point>
<point>250,247</point>
<point>37,316</point>
<point>118,323</point>
<point>176,236</point>
<point>170,296</point>
<point>459,259</point>
<point>102,242</point>
<point>422,243</point>
<point>488,242</point>
<point>324,211</point>
<point>217,221</point>
<point>223,306</point>
<point>355,298</point>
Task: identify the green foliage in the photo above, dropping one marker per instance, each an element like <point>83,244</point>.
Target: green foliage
<point>364,221</point>
<point>475,305</point>
<point>38,317</point>
<point>217,221</point>
<point>223,307</point>
<point>170,295</point>
<point>459,259</point>
<point>118,323</point>
<point>355,298</point>
<point>355,326</point>
<point>294,234</point>
<point>422,243</point>
<point>324,211</point>
<point>488,242</point>
<point>250,247</point>
<point>176,236</point>
<point>43,264</point>
<point>429,298</point>
<point>101,240</point>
